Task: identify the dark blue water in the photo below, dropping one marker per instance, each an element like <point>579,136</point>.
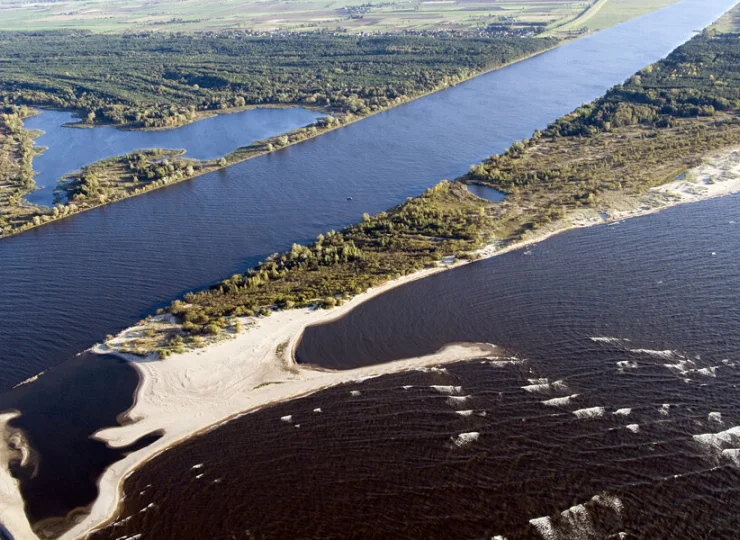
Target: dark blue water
<point>68,149</point>
<point>66,285</point>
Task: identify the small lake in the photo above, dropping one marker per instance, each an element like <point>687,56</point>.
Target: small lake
<point>486,192</point>
<point>69,148</point>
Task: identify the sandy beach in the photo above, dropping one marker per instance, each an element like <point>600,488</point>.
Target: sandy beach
<point>11,503</point>
<point>194,392</point>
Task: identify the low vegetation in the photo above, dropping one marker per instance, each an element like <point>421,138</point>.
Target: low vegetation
<point>17,150</point>
<point>642,133</point>
<point>445,220</point>
<point>355,16</point>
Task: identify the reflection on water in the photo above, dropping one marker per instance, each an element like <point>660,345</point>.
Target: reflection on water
<point>615,414</point>
<point>68,149</point>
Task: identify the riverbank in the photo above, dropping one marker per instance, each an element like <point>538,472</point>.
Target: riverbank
<point>191,393</point>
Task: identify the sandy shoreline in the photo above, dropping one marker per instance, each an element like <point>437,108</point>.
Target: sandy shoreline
<point>193,392</point>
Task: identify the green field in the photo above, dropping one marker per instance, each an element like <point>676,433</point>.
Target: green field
<point>606,13</point>
<point>309,15</point>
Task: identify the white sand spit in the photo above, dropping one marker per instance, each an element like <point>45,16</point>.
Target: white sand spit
<point>544,527</point>
<point>577,522</point>
<point>11,503</point>
<point>542,386</point>
<point>447,389</point>
<point>605,339</point>
<point>708,372</point>
<point>721,440</point>
<point>667,354</point>
<point>733,454</point>
<point>431,369</point>
<point>187,393</point>
<point>627,364</point>
<point>456,401</point>
<point>500,363</point>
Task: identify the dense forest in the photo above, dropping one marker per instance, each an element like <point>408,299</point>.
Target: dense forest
<point>160,80</point>
<point>165,80</point>
<point>640,134</point>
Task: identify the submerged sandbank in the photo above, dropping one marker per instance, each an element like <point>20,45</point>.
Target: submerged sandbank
<point>192,392</point>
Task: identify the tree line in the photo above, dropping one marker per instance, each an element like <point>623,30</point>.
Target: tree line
<point>163,80</point>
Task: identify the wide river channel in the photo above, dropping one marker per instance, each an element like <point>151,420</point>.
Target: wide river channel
<point>613,414</point>
<point>64,286</point>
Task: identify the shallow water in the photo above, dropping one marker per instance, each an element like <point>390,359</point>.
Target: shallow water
<point>68,149</point>
<point>615,413</point>
<point>61,411</point>
<point>66,285</point>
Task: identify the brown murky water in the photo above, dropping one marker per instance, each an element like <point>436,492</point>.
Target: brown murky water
<point>615,414</point>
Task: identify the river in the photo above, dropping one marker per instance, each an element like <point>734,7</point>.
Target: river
<point>67,285</point>
<point>613,415</point>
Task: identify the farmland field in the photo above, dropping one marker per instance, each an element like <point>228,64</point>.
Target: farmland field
<point>309,15</point>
